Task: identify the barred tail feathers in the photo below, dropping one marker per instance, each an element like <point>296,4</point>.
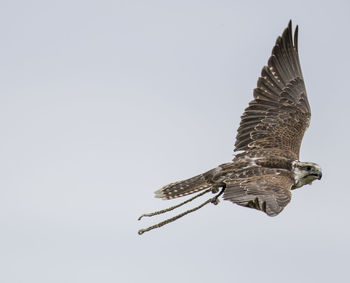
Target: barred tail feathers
<point>189,186</point>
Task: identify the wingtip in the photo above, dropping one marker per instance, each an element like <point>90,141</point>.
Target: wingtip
<point>290,28</point>
<point>289,33</point>
<point>296,37</point>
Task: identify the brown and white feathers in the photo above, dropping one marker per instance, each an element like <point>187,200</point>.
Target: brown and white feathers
<point>272,128</point>
<point>280,113</point>
<point>269,137</point>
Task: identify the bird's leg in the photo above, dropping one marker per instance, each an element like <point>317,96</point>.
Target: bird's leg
<point>213,200</point>
<point>175,206</point>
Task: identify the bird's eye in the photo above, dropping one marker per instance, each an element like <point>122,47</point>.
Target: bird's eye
<point>308,168</point>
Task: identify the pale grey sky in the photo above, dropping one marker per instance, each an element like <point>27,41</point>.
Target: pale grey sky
<point>103,102</point>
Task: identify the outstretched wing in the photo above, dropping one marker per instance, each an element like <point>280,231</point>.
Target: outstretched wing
<point>280,112</point>
<point>264,189</point>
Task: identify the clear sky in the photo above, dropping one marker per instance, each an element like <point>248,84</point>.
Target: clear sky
<point>103,102</point>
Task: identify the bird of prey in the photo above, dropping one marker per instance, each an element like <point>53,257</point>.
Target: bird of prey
<point>266,167</point>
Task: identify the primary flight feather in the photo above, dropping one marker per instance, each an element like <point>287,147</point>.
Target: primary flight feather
<point>267,167</point>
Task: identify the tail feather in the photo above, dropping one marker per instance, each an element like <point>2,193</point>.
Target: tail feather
<point>186,187</point>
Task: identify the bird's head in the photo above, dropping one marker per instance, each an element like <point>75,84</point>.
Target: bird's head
<point>305,173</point>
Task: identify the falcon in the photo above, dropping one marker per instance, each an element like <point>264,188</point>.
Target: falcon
<point>266,167</point>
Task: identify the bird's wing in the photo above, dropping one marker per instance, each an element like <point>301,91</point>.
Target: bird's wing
<point>264,189</point>
<point>280,113</point>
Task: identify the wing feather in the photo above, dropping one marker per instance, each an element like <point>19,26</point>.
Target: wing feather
<point>264,189</point>
<point>280,113</point>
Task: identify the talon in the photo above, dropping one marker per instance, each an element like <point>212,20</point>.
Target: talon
<point>214,190</point>
<point>215,201</point>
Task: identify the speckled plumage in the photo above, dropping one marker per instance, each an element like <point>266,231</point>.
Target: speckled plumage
<point>269,137</point>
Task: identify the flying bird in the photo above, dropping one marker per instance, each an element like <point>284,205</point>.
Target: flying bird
<point>266,168</point>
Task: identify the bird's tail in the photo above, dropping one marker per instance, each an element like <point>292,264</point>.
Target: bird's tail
<point>206,182</point>
<point>186,187</point>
